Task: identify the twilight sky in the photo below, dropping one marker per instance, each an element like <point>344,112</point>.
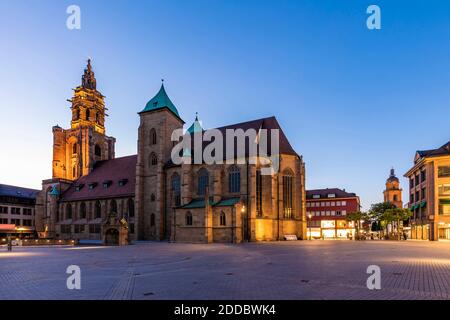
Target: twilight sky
<point>352,101</point>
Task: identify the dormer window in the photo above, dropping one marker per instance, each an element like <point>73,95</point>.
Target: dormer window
<point>123,182</point>
<point>107,183</point>
<point>331,195</point>
<point>316,196</point>
<point>79,187</point>
<point>92,185</point>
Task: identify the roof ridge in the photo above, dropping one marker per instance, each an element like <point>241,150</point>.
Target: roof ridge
<point>13,186</point>
<point>244,122</point>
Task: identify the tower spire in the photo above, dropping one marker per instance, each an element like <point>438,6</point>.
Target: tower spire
<point>392,172</point>
<point>88,80</point>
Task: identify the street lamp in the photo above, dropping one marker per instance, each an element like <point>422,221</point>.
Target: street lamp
<point>310,216</point>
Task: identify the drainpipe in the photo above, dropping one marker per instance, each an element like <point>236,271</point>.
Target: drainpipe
<point>248,206</point>
<point>278,208</point>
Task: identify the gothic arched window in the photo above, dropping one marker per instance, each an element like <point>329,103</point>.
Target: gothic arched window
<point>98,209</point>
<point>189,219</point>
<point>223,219</point>
<point>234,179</point>
<point>75,148</point>
<point>152,197</point>
<point>98,150</point>
<point>83,210</point>
<point>176,189</point>
<point>130,208</point>
<point>153,159</point>
<point>203,181</point>
<point>288,182</point>
<point>69,211</point>
<point>113,206</point>
<point>88,114</point>
<point>153,139</point>
<point>152,220</point>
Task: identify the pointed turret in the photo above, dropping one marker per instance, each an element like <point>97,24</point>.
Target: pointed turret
<point>159,101</point>
<point>88,80</point>
<point>392,176</point>
<point>196,126</point>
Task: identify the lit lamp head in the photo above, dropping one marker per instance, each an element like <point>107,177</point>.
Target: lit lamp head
<point>243,209</point>
<point>310,216</point>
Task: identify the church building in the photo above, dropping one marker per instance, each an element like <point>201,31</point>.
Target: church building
<point>94,196</point>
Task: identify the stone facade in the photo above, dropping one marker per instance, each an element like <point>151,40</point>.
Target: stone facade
<point>148,197</point>
<point>429,194</point>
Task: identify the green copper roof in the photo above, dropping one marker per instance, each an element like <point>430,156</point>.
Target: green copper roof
<point>54,191</point>
<point>195,127</point>
<point>160,101</point>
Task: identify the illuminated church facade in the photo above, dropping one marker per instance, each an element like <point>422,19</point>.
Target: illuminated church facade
<point>94,196</point>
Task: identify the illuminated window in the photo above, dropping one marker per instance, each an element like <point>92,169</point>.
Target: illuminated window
<point>258,193</point>
<point>287,195</point>
<point>444,171</point>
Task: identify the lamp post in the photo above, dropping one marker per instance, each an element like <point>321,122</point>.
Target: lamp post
<point>310,216</point>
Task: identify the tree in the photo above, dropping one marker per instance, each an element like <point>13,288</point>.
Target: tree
<point>377,213</point>
<point>396,215</point>
<point>357,217</point>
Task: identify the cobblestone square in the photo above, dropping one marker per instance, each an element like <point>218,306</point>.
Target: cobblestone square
<point>272,270</point>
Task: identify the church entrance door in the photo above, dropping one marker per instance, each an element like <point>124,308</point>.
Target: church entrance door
<point>112,237</point>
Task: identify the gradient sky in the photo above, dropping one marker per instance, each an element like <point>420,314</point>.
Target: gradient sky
<point>352,101</point>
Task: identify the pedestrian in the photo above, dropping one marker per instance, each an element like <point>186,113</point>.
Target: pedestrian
<point>405,236</point>
<point>9,244</point>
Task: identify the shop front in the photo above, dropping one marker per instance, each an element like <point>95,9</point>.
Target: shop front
<point>444,230</point>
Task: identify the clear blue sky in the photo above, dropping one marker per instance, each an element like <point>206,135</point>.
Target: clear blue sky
<point>353,102</point>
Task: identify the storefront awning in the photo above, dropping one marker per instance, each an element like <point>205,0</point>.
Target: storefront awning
<point>8,228</point>
<point>423,204</point>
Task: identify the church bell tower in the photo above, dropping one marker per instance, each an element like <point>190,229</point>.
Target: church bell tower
<point>76,150</point>
<point>393,193</point>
